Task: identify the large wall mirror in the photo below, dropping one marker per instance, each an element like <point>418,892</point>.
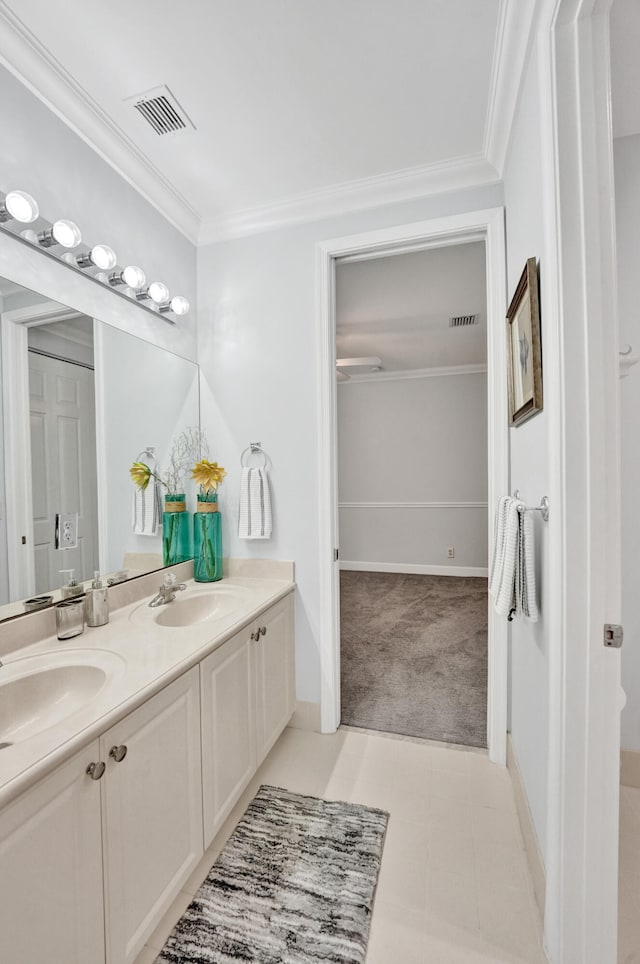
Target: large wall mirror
<point>81,400</point>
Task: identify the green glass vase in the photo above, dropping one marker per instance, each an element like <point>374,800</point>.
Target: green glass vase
<point>207,538</point>
<point>176,531</point>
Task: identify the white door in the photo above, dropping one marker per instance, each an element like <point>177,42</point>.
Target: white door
<point>63,466</point>
<point>228,728</point>
<point>152,798</point>
<point>51,869</point>
<point>274,673</point>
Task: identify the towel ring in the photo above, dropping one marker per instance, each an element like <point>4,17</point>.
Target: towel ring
<point>150,453</point>
<point>254,448</point>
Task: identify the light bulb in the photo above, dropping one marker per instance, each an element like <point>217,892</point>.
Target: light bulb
<point>179,305</point>
<point>101,256</point>
<point>158,292</point>
<point>19,206</point>
<point>30,236</point>
<point>133,276</point>
<point>66,233</point>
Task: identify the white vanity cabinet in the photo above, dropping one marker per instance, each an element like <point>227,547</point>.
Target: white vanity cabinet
<point>85,856</point>
<point>247,694</point>
<point>92,856</point>
<point>152,812</point>
<point>51,906</point>
<point>275,688</point>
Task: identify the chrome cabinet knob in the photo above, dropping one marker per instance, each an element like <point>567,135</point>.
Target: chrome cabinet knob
<point>95,770</point>
<point>263,630</point>
<point>256,635</point>
<point>118,753</point>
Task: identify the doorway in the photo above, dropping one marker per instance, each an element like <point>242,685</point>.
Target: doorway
<point>486,227</point>
<point>411,339</point>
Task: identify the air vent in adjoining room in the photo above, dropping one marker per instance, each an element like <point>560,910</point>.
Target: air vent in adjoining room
<point>161,110</point>
<point>463,321</point>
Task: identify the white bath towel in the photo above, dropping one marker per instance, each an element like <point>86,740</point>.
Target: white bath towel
<point>255,505</point>
<point>147,509</point>
<point>513,584</point>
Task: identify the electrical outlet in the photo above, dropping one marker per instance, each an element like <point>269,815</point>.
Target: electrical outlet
<point>451,552</point>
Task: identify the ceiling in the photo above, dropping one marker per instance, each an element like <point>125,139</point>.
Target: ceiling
<point>625,67</point>
<point>398,308</point>
<point>288,98</point>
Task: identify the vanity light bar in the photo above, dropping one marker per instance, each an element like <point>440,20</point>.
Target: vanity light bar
<point>22,208</point>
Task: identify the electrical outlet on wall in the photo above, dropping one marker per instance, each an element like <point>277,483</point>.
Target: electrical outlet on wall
<point>451,552</point>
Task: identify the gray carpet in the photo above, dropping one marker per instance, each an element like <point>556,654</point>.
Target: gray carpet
<point>414,655</point>
<point>294,885</point>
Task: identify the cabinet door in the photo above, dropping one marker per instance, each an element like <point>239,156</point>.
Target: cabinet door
<point>152,813</point>
<point>274,673</point>
<point>228,728</point>
<point>51,869</point>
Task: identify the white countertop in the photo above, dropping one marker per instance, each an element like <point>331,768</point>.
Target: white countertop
<point>151,656</point>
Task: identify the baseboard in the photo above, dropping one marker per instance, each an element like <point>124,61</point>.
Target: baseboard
<point>414,568</point>
<point>630,768</point>
<point>306,716</point>
<point>532,849</point>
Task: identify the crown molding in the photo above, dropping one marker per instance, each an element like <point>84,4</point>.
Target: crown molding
<point>36,67</point>
<point>396,186</point>
<point>384,376</point>
<point>513,39</point>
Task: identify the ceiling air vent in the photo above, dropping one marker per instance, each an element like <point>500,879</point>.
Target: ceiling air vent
<point>463,321</point>
<point>161,110</point>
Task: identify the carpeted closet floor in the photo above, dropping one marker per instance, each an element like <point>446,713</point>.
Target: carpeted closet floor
<point>414,655</point>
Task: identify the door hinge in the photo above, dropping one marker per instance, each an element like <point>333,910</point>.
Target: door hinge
<point>613,635</point>
<point>336,555</point>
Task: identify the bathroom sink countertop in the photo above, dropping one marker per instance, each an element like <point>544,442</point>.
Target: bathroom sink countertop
<point>151,648</point>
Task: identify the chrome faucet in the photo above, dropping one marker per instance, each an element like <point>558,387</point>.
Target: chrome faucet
<point>167,591</point>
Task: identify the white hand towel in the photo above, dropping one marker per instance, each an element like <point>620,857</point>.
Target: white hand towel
<point>147,509</point>
<point>255,505</point>
<point>526,603</point>
<point>505,556</point>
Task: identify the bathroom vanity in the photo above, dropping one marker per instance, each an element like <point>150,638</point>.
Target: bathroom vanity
<point>105,813</point>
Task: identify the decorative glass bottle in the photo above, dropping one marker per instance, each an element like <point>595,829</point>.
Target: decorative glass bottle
<point>207,537</point>
<point>176,531</point>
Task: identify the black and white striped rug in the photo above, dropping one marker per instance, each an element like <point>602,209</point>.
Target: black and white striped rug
<point>294,885</point>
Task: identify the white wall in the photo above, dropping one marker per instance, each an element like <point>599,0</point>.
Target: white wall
<point>41,155</point>
<point>529,685</point>
<point>627,186</point>
<point>257,342</point>
<point>413,440</point>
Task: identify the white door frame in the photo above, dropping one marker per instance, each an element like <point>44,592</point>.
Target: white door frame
<point>488,226</point>
<point>580,318</point>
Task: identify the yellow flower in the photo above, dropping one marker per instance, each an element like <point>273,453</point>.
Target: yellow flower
<point>140,474</point>
<point>208,475</point>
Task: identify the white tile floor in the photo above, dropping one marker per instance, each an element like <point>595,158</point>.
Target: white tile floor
<point>454,886</point>
<point>629,877</point>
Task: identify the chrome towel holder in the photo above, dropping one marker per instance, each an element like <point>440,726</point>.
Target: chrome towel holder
<point>543,508</point>
<point>254,448</point>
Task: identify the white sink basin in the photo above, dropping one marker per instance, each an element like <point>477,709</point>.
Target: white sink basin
<point>37,692</point>
<point>191,608</point>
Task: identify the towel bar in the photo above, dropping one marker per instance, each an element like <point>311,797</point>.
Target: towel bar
<point>543,508</point>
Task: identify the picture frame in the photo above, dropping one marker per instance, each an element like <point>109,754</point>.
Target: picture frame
<point>524,353</point>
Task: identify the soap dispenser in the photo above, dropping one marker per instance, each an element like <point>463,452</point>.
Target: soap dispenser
<point>72,588</point>
<point>96,603</point>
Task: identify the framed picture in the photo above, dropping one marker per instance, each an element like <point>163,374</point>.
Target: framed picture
<point>524,356</point>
